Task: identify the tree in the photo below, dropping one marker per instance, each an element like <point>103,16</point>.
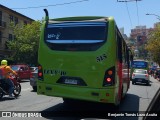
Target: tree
<point>25,44</point>
<point>142,52</point>
<point>153,44</point>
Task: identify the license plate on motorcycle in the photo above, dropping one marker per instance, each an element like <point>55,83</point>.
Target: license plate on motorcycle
<point>71,81</point>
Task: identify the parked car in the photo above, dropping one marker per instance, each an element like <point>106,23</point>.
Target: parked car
<point>140,76</point>
<point>33,79</point>
<point>23,71</point>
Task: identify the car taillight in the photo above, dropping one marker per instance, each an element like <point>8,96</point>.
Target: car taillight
<point>146,75</point>
<point>31,75</point>
<point>40,73</point>
<point>109,77</point>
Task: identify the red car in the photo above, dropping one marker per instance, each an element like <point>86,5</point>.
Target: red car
<point>23,71</point>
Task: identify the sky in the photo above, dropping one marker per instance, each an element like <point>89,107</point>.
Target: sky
<point>126,14</point>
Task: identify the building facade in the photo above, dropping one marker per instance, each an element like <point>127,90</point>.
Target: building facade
<point>8,17</point>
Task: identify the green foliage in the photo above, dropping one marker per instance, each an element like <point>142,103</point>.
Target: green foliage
<point>25,45</point>
<point>153,44</point>
<point>142,51</point>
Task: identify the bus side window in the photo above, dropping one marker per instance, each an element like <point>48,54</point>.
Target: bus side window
<point>119,46</point>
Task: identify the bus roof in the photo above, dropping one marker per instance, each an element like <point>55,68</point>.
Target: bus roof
<point>82,18</point>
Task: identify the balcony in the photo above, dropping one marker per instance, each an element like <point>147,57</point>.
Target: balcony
<point>2,24</point>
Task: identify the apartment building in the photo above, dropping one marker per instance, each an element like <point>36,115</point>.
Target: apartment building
<point>8,16</point>
<point>139,34</point>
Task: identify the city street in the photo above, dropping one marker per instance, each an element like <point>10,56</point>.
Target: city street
<point>85,55</point>
<point>137,99</point>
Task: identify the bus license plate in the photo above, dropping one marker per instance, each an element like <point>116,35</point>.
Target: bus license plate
<point>70,81</point>
<point>139,80</point>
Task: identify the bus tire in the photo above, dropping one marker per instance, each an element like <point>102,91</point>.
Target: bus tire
<point>147,83</point>
<point>122,97</point>
<point>68,101</point>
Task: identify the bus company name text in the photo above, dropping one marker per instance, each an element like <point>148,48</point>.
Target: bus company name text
<point>20,114</point>
<point>54,72</point>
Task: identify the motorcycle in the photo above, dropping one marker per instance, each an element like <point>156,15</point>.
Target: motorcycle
<point>4,87</point>
<point>158,77</point>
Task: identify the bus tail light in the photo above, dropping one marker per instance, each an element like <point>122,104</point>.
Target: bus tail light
<point>40,72</point>
<point>109,77</point>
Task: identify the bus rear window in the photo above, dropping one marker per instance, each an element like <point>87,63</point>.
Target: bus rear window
<point>76,36</point>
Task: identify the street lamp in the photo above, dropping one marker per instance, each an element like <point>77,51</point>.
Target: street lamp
<point>158,17</point>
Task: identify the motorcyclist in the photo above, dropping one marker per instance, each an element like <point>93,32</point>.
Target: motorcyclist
<point>6,73</point>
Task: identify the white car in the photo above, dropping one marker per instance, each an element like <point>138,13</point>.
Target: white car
<point>140,76</point>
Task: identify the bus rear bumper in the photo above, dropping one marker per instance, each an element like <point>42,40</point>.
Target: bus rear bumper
<point>103,95</point>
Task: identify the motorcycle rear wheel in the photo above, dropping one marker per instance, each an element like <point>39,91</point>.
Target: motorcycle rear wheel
<point>17,90</point>
<point>1,93</point>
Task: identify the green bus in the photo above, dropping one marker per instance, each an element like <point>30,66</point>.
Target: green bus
<point>83,58</point>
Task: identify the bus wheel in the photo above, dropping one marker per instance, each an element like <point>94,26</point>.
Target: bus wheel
<point>68,101</point>
<point>122,97</point>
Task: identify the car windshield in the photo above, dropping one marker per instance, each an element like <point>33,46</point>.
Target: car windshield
<point>15,68</point>
<point>33,69</point>
<point>140,71</point>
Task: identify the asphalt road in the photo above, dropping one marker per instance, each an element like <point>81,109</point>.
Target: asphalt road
<point>137,99</point>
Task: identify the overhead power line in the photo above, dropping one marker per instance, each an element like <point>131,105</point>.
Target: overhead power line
<point>59,4</point>
<point>128,9</point>
<point>129,15</point>
<point>128,0</point>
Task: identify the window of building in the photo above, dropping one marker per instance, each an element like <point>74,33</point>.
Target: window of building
<point>25,22</point>
<point>0,15</point>
<point>11,18</point>
<point>10,37</point>
<point>0,18</point>
<point>0,36</point>
<point>16,20</point>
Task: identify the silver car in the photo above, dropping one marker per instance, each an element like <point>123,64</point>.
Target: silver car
<point>33,79</point>
<point>140,76</point>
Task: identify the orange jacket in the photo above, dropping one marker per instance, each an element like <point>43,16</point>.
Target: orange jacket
<point>7,71</point>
